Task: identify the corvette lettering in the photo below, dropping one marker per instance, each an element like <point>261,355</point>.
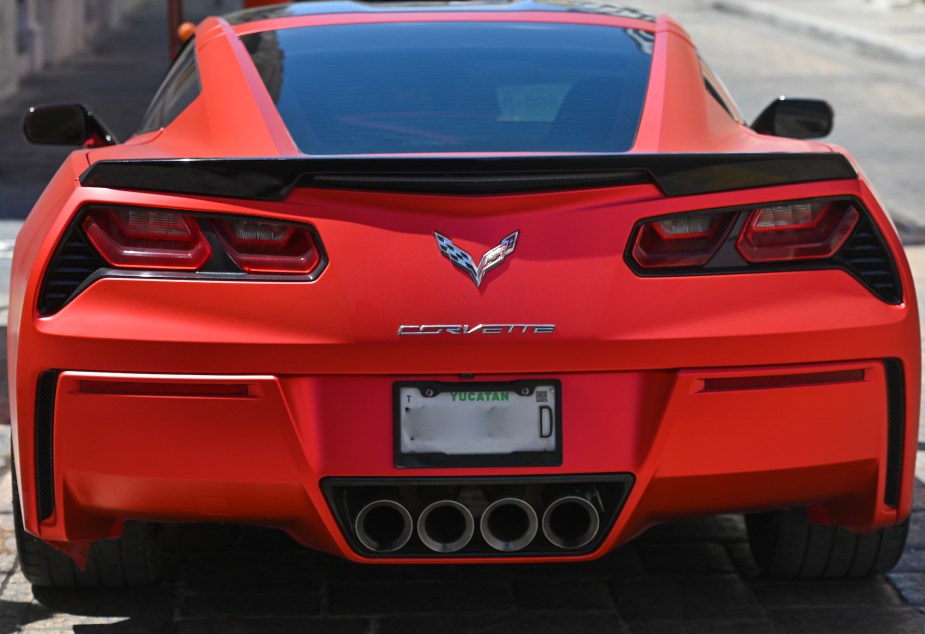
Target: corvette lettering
<point>483,329</point>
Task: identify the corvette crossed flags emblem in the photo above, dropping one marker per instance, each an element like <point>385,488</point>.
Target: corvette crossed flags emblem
<point>490,260</point>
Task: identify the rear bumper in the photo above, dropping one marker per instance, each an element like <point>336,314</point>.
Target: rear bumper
<point>203,448</point>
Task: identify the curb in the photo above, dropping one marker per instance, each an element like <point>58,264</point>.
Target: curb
<point>822,28</point>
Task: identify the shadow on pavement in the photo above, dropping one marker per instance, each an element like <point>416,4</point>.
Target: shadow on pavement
<point>693,576</point>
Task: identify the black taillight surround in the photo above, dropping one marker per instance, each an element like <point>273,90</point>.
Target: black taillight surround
<point>76,264</point>
<point>864,255</point>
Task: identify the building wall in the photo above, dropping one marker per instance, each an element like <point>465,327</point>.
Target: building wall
<point>9,62</point>
<point>36,34</point>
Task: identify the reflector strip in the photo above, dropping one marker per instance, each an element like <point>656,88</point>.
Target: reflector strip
<point>157,388</point>
<point>780,380</point>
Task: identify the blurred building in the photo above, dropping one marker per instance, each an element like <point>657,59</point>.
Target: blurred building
<point>35,34</point>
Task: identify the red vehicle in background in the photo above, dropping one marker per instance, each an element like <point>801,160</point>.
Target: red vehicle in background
<point>493,282</point>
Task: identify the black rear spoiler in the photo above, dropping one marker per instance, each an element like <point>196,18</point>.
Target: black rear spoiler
<point>274,178</point>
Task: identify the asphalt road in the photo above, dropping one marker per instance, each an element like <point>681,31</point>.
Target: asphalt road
<point>693,577</point>
<point>879,102</point>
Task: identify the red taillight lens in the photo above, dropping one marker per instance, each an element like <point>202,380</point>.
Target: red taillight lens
<point>796,231</point>
<point>259,246</point>
<point>689,240</point>
<point>134,237</point>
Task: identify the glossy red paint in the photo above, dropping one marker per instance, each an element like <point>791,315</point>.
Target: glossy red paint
<point>319,358</point>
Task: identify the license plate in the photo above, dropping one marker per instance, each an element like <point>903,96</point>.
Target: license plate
<point>478,424</point>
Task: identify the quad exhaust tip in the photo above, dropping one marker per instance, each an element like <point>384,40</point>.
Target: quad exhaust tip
<point>571,522</point>
<point>383,526</point>
<point>446,526</point>
<point>509,524</point>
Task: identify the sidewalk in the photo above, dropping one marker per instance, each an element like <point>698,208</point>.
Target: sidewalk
<point>898,32</point>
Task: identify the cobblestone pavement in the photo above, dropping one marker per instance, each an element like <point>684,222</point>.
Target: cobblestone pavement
<point>691,577</point>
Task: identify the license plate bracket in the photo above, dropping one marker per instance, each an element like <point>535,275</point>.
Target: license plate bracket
<point>478,424</point>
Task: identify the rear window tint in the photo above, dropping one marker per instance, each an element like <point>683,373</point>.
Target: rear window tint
<point>449,87</point>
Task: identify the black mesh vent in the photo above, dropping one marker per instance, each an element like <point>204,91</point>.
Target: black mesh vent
<point>896,427</point>
<point>867,258</point>
<point>44,445</point>
<point>73,262</point>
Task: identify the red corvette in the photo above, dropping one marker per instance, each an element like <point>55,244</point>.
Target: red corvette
<point>493,282</point>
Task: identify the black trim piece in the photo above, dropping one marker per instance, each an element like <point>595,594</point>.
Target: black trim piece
<point>484,184</point>
<point>865,255</point>
<point>346,496</point>
<point>44,443</point>
<point>72,264</point>
<point>896,430</point>
<point>274,178</point>
<point>442,460</point>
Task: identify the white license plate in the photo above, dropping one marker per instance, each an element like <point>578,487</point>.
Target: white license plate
<point>468,420</point>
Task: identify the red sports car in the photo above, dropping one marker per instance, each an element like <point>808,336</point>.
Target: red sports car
<point>457,282</point>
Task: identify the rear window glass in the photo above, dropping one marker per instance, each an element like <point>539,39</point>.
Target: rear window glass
<point>178,90</point>
<point>451,87</point>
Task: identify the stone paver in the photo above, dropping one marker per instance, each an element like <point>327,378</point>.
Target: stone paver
<point>244,580</point>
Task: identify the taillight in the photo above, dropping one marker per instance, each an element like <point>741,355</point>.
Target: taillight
<point>179,244</point>
<point>687,240</point>
<point>161,239</point>
<point>130,237</point>
<point>259,246</point>
<point>796,231</point>
<point>778,232</point>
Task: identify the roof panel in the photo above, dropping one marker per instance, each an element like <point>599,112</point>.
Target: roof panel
<point>321,7</point>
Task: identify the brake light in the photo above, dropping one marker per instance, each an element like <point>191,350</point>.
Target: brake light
<point>259,246</point>
<point>135,237</point>
<point>796,231</point>
<point>689,240</point>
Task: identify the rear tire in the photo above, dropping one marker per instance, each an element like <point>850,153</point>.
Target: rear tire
<point>786,545</point>
<point>134,559</point>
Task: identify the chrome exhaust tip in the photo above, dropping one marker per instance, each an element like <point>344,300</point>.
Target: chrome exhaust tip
<point>445,526</point>
<point>571,522</point>
<point>509,524</point>
<point>383,526</point>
